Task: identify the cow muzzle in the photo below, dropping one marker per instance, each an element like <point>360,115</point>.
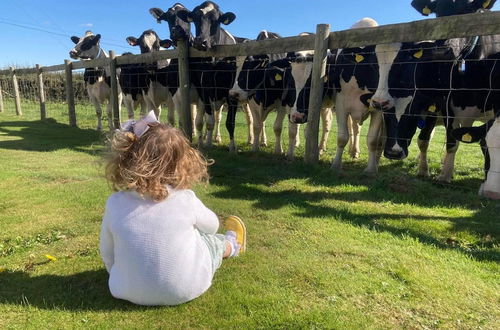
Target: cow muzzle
<point>73,54</point>
<point>298,118</point>
<point>379,104</point>
<point>201,44</point>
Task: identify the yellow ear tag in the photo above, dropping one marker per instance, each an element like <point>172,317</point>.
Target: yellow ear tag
<point>190,20</point>
<point>467,138</point>
<point>359,58</point>
<point>419,54</point>
<point>486,4</point>
<point>432,108</point>
<point>426,11</point>
<point>226,22</point>
<point>278,77</point>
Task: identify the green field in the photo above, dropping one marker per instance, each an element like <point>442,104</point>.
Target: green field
<point>325,250</point>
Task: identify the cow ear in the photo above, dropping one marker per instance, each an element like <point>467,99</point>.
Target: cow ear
<point>185,15</point>
<point>424,7</point>
<point>486,4</point>
<point>75,39</point>
<point>227,18</point>
<point>97,38</point>
<point>470,134</point>
<point>132,41</point>
<point>157,14</point>
<point>166,43</point>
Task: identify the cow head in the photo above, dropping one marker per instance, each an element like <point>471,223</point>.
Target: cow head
<point>179,28</point>
<point>207,19</point>
<point>413,77</point>
<point>451,7</point>
<point>86,47</point>
<point>149,42</point>
<point>250,70</point>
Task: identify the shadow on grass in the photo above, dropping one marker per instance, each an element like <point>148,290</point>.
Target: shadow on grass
<point>48,135</point>
<point>86,291</point>
<point>251,177</point>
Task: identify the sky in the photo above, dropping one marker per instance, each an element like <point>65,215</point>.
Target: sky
<point>39,31</point>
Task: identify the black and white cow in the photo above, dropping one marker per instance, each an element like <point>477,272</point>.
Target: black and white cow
<point>164,80</point>
<point>423,81</point>
<point>97,80</point>
<point>298,83</point>
<point>450,7</point>
<point>250,75</point>
<point>134,78</point>
<point>489,137</point>
<point>213,78</point>
<point>355,76</point>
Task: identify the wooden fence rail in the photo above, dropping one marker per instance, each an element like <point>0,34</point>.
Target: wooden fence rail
<point>471,25</point>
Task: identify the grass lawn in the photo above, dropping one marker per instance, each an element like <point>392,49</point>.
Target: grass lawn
<point>325,250</point>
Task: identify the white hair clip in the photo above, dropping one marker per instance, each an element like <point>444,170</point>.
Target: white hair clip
<point>141,126</point>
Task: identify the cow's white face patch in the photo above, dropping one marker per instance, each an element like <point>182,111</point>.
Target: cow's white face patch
<point>149,41</point>
<point>386,54</point>
<point>300,73</point>
<point>237,90</point>
<point>207,9</point>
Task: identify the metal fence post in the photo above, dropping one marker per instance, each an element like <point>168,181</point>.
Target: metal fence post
<point>41,93</point>
<point>115,105</point>
<point>17,96</point>
<point>316,95</point>
<point>70,96</point>
<point>184,86</point>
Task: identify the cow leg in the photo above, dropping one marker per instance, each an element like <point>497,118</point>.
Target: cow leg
<point>98,112</point>
<point>129,104</point>
<point>342,139</point>
<point>293,133</point>
<point>263,137</point>
<point>110,115</point>
<point>449,159</point>
<point>257,115</point>
<point>374,143</point>
<point>278,127</point>
<point>424,138</point>
<point>326,117</point>
<point>249,119</point>
<point>231,123</point>
<point>354,133</point>
<point>200,115</point>
<point>171,108</point>
<point>218,119</point>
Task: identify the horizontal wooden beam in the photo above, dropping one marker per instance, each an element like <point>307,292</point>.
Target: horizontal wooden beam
<point>269,46</point>
<point>461,26</point>
<point>147,58</point>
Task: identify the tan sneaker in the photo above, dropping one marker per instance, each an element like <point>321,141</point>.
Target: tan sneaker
<point>235,224</point>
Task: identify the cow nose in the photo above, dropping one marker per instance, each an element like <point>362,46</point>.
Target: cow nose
<point>234,94</point>
<point>380,104</point>
<point>298,118</point>
<point>200,44</point>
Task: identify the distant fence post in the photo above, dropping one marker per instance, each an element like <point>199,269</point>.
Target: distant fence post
<point>184,86</point>
<point>1,98</point>
<point>316,95</point>
<point>70,96</point>
<point>115,106</point>
<point>17,97</point>
<point>41,93</point>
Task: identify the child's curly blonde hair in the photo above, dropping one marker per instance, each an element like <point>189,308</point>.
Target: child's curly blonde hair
<point>161,156</point>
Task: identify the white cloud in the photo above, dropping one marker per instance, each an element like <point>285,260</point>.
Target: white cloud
<point>87,25</point>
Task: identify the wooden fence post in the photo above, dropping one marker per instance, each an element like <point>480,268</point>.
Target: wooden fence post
<point>113,98</point>
<point>316,95</point>
<point>17,96</point>
<point>70,96</point>
<point>1,98</point>
<point>184,86</point>
<point>41,93</point>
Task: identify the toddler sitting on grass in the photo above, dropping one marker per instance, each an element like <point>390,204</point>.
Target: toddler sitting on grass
<point>158,241</point>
